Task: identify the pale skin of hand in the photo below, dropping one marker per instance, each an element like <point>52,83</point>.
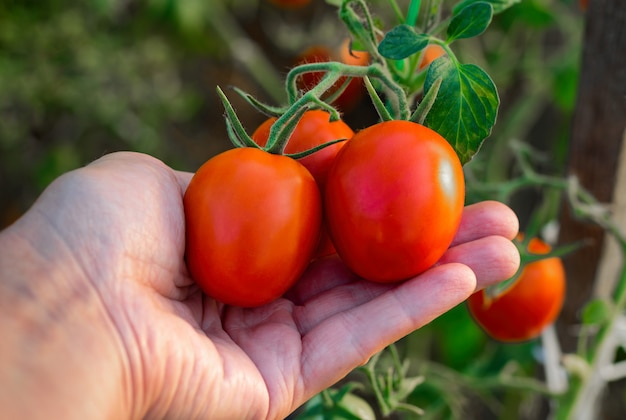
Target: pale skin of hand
<point>100,319</point>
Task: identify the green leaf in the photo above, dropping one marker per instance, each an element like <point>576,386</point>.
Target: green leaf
<point>471,21</point>
<point>236,132</point>
<point>401,42</point>
<point>466,106</point>
<point>596,312</point>
<point>498,5</point>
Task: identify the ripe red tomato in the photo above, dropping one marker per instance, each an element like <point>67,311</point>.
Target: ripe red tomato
<point>252,224</point>
<point>314,129</point>
<point>355,89</point>
<point>393,200</point>
<point>529,305</point>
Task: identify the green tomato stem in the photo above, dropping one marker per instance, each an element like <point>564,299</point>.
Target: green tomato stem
<point>362,28</point>
<point>334,71</point>
<point>412,15</point>
<point>397,11</point>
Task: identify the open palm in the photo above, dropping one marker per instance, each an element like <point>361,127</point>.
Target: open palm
<point>187,356</point>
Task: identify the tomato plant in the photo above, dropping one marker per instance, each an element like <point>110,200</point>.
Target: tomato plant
<point>393,200</point>
<point>313,129</point>
<point>353,89</point>
<point>532,302</point>
<point>252,222</point>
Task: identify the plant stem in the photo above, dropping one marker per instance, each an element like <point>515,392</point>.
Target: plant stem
<point>412,15</point>
<point>396,9</point>
<point>334,71</point>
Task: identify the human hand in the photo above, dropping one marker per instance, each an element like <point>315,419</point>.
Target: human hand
<point>117,328</point>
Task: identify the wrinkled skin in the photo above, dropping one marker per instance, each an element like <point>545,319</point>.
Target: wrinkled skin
<point>95,288</point>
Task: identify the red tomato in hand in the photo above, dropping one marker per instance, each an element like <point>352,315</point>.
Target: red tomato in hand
<point>393,200</point>
<point>313,129</point>
<point>529,305</point>
<point>252,224</point>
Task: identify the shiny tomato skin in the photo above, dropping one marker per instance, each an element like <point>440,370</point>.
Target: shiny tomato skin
<point>393,200</point>
<point>252,224</point>
<point>529,305</point>
<point>314,129</point>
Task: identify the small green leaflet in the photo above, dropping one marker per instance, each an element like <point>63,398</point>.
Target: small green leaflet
<point>471,21</point>
<point>597,312</point>
<point>402,42</point>
<point>466,106</point>
<point>498,5</point>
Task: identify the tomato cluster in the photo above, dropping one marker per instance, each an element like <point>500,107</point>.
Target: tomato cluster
<point>388,200</point>
<point>531,303</point>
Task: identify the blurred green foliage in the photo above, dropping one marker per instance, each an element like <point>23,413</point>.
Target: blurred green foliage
<point>82,78</point>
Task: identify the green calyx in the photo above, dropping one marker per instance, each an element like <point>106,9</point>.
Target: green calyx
<point>281,130</point>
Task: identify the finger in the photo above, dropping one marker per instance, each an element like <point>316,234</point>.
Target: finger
<point>492,259</point>
<point>366,329</point>
<point>183,179</point>
<point>487,218</point>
